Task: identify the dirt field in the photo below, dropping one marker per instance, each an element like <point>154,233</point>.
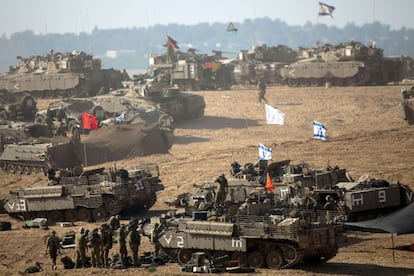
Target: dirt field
<point>367,135</point>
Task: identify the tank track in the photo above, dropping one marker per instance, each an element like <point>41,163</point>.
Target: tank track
<point>291,254</point>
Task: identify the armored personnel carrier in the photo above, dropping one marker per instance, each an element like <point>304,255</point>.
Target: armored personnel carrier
<point>58,74</point>
<point>94,195</point>
<point>25,159</point>
<point>274,241</point>
<point>17,106</point>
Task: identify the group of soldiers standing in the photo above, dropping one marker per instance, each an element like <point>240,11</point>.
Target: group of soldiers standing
<point>98,244</point>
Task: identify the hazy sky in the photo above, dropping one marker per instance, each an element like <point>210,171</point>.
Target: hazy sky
<point>56,16</point>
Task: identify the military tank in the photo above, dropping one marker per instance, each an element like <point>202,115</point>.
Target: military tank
<point>276,240</point>
<point>262,62</point>
<point>17,106</point>
<point>169,99</point>
<point>345,64</point>
<point>60,75</point>
<point>94,195</point>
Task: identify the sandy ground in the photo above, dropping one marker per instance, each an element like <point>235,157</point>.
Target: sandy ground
<point>367,135</point>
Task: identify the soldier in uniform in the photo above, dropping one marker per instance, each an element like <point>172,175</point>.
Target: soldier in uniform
<point>53,246</point>
<point>95,245</point>
<point>80,246</point>
<point>154,239</point>
<point>134,239</point>
<point>329,207</point>
<point>222,189</point>
<point>123,232</point>
<point>106,237</point>
<point>114,222</point>
<point>261,89</point>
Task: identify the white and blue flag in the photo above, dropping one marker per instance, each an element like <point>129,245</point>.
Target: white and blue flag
<point>325,9</point>
<point>265,153</point>
<point>319,131</point>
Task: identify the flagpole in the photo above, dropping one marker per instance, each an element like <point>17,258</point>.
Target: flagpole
<point>84,150</point>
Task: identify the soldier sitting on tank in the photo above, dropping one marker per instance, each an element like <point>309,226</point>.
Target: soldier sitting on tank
<point>235,169</point>
<point>222,189</point>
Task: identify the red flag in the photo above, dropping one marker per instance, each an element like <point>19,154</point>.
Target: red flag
<point>269,184</point>
<point>172,43</point>
<point>89,121</point>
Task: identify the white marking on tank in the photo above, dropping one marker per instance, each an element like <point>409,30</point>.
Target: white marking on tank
<point>17,86</point>
<point>291,72</point>
<point>180,241</point>
<point>17,206</point>
<point>236,243</point>
<point>168,239</point>
<point>358,201</point>
<point>409,196</point>
<point>382,197</point>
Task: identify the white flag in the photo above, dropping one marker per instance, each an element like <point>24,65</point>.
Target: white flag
<point>274,116</point>
<point>319,131</point>
<point>325,9</point>
<point>265,153</point>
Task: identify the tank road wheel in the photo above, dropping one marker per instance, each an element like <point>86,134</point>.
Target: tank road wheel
<point>70,215</point>
<point>314,82</point>
<point>255,259</point>
<point>184,256</point>
<point>26,170</point>
<point>290,253</point>
<point>18,169</point>
<point>55,216</point>
<point>274,259</point>
<point>293,82</point>
<point>304,82</point>
<point>99,214</point>
<point>34,170</point>
<point>3,166</point>
<point>350,81</point>
<point>84,214</point>
<point>11,168</point>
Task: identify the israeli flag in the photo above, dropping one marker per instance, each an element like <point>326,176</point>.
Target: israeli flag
<point>265,153</point>
<point>120,119</point>
<point>319,131</point>
<point>325,9</point>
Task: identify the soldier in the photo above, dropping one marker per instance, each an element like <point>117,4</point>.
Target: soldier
<point>261,89</point>
<point>134,242</point>
<point>156,231</point>
<point>114,222</point>
<point>95,245</point>
<point>123,232</point>
<point>106,237</point>
<point>222,189</point>
<point>329,208</point>
<point>53,246</point>
<point>80,246</point>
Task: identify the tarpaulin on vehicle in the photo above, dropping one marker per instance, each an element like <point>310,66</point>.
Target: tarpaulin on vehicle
<point>122,141</point>
<point>399,222</point>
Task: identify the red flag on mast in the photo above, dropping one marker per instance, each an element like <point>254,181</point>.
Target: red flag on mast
<point>172,43</point>
<point>89,121</point>
<point>269,184</point>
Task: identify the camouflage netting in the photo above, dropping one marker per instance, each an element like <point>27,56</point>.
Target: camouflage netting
<point>123,141</point>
